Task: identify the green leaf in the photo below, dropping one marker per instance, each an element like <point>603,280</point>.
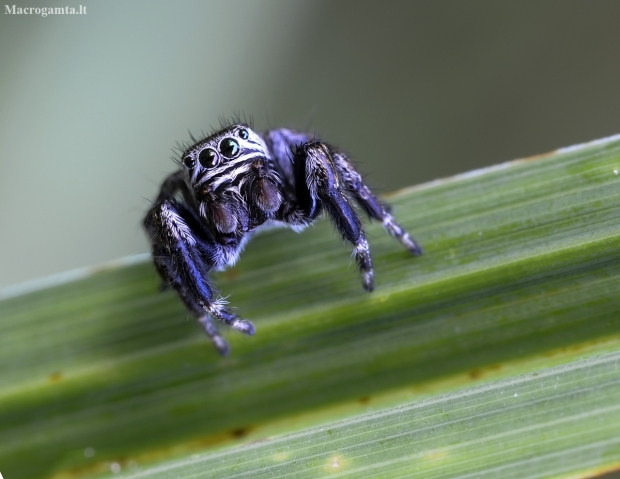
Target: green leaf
<point>527,426</point>
<point>520,274</point>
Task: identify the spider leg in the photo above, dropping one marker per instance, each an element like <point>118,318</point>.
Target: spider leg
<point>318,185</point>
<point>371,204</point>
<point>174,183</point>
<point>184,252</point>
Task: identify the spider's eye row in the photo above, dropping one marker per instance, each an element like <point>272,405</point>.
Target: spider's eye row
<point>229,148</point>
<point>243,134</point>
<point>208,158</point>
<point>189,162</point>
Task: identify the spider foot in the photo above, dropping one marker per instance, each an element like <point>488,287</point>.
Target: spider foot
<point>368,281</point>
<point>410,245</point>
<point>396,231</point>
<point>243,325</point>
<point>219,342</point>
<point>361,253</point>
<point>220,312</point>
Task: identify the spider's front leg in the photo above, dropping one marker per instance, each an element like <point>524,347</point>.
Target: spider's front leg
<point>318,184</point>
<point>184,252</point>
<point>373,207</point>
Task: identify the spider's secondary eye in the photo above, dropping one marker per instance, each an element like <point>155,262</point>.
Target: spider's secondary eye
<point>229,148</point>
<point>208,158</point>
<point>189,161</point>
<point>243,134</point>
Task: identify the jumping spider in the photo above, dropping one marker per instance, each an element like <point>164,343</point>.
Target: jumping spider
<point>236,181</point>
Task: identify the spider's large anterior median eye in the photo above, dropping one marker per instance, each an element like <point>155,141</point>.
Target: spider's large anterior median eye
<point>208,158</point>
<point>189,162</point>
<point>243,134</point>
<point>229,148</point>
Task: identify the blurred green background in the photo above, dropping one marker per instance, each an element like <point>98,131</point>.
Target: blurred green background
<point>91,105</point>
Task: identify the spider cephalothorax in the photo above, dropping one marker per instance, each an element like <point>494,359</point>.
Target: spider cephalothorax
<point>235,181</point>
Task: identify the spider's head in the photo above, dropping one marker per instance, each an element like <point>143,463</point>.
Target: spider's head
<point>233,179</point>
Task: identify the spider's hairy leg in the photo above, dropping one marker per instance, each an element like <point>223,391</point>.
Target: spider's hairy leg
<point>367,200</point>
<point>183,253</point>
<point>175,183</point>
<point>318,184</point>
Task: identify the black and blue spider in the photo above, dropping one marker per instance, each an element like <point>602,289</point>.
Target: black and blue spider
<point>236,181</point>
